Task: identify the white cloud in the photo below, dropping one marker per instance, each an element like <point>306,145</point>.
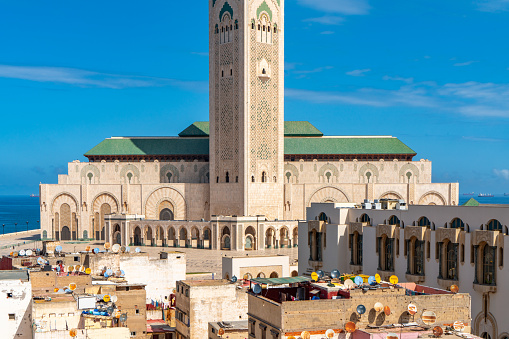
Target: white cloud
<point>396,78</point>
<point>467,63</point>
<point>327,32</point>
<point>469,99</point>
<point>84,78</point>
<point>493,5</point>
<point>347,7</point>
<point>358,72</point>
<point>304,73</point>
<point>327,20</point>
<point>504,173</point>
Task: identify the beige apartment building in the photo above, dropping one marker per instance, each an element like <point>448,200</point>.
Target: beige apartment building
<point>246,161</point>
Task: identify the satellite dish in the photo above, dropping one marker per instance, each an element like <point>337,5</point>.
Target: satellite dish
<point>72,286</point>
<point>429,317</point>
<point>458,326</point>
<point>109,272</point>
<point>350,327</point>
<point>122,273</point>
<point>372,281</point>
<point>387,310</point>
<point>392,336</point>
<point>88,270</point>
<point>361,309</point>
<point>438,331</point>
<point>127,249</point>
<point>87,249</point>
<point>58,268</point>
<point>118,273</point>
<point>77,268</point>
<point>96,250</point>
<point>107,246</point>
<point>314,276</point>
<point>106,298</point>
<point>122,249</point>
<point>257,289</point>
<point>330,333</point>
<point>22,253</point>
<point>55,290</point>
<point>73,333</point>
<point>305,335</point>
<point>28,252</point>
<point>335,274</point>
<point>110,310</point>
<point>114,298</point>
<point>234,279</point>
<point>68,291</point>
<point>349,284</point>
<point>137,250</point>
<point>358,281</point>
<point>412,309</point>
<point>454,288</point>
<point>378,278</point>
<point>82,269</point>
<point>123,317</point>
<point>60,290</point>
<point>221,331</point>
<point>320,273</point>
<point>41,261</point>
<point>393,280</point>
<point>115,248</point>
<point>291,337</point>
<point>58,248</point>
<point>70,268</point>
<point>379,307</point>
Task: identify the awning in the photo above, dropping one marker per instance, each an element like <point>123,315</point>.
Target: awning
<point>281,281</point>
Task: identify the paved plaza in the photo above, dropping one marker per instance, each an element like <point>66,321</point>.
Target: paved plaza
<point>198,260</point>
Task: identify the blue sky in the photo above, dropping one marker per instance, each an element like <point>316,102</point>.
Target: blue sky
<point>434,73</point>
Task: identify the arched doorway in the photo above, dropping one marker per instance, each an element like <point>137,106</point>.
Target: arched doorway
<point>171,237</point>
<point>261,275</point>
<point>183,237</point>
<point>284,241</point>
<point>66,233</point>
<point>195,237</point>
<point>225,239</point>
<point>137,236</point>
<point>296,237</point>
<point>274,275</point>
<point>250,234</point>
<point>270,238</point>
<point>117,236</point>
<point>207,235</point>
<point>160,236</point>
<point>166,214</point>
<point>148,236</point>
<point>295,273</point>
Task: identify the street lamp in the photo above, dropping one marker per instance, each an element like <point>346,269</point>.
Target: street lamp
<point>15,227</point>
<point>27,226</point>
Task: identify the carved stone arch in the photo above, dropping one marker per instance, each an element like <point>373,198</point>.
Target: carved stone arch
<point>432,198</point>
<point>105,198</point>
<point>391,195</point>
<point>294,173</point>
<point>371,169</point>
<point>169,168</point>
<point>204,174</point>
<point>409,168</point>
<point>325,173</point>
<point>490,319</point>
<point>94,171</point>
<point>64,198</point>
<point>130,168</point>
<point>328,194</point>
<point>166,193</point>
<point>503,335</point>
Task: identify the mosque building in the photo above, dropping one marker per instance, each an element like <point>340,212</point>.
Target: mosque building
<point>241,180</point>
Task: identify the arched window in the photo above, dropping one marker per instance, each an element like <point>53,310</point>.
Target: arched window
<point>386,254</point>
<point>222,74</point>
<point>252,25</point>
<point>451,261</point>
<point>366,218</point>
<point>253,179</point>
<point>494,225</point>
<point>166,214</point>
<point>264,177</point>
<point>424,222</point>
<point>274,275</point>
<point>394,220</point>
<point>356,249</point>
<point>227,177</point>
<point>415,258</point>
<point>323,217</point>
<point>458,223</point>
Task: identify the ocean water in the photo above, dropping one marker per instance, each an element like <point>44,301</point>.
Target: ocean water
<point>18,209</point>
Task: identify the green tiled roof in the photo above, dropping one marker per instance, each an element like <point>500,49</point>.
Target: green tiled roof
<point>472,202</point>
<point>301,129</point>
<point>151,146</point>
<point>197,129</point>
<point>346,145</point>
<point>292,129</point>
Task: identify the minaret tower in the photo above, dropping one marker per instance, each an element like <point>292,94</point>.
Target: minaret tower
<point>246,107</point>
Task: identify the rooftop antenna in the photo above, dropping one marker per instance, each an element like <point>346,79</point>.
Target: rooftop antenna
<point>96,250</point>
<point>28,253</point>
<point>41,261</point>
<point>257,289</point>
<point>429,318</point>
<point>115,248</point>
<point>107,246</point>
<point>305,335</point>
<point>330,333</point>
<point>58,248</point>
<point>335,274</point>
<point>320,273</point>
<point>358,281</point>
<point>122,249</point>
<point>438,331</point>
<point>137,250</point>
<point>372,281</point>
<point>379,307</point>
<point>233,280</point>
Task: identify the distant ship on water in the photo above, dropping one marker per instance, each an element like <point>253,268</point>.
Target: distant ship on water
<point>469,193</point>
<point>485,195</point>
<point>34,196</point>
<point>506,194</point>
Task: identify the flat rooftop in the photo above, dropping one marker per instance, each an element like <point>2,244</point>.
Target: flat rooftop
<point>230,325</point>
<point>192,283</point>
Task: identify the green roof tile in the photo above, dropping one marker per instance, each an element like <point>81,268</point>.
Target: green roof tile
<point>472,202</point>
<point>151,146</point>
<point>197,129</point>
<point>346,145</point>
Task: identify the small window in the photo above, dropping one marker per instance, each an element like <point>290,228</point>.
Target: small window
<point>217,180</point>
<point>133,334</point>
<point>9,295</point>
<point>231,72</point>
<point>137,311</point>
<point>275,30</point>
<point>501,257</point>
<point>252,179</point>
<point>259,27</point>
<point>263,29</point>
<point>236,179</point>
<point>222,74</point>
<point>462,253</point>
<point>12,316</point>
<point>428,249</point>
<point>76,259</point>
<point>253,26</point>
<point>187,293</point>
